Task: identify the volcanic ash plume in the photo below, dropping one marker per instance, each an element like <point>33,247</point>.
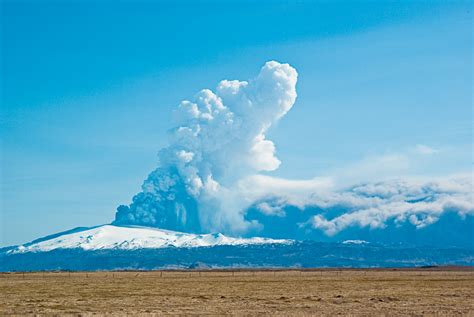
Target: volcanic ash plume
<point>219,139</point>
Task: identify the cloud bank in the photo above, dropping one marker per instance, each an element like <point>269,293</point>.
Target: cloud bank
<point>420,203</point>
<point>209,177</point>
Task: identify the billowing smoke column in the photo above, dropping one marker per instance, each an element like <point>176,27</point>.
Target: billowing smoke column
<point>219,138</point>
<point>209,180</point>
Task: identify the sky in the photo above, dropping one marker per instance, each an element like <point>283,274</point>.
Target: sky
<point>88,90</point>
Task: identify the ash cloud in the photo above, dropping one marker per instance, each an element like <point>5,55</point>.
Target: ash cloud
<point>219,139</point>
<point>209,178</point>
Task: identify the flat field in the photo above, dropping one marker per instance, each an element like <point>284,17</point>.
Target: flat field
<point>307,292</point>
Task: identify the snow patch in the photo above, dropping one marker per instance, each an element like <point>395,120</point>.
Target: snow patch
<point>355,242</point>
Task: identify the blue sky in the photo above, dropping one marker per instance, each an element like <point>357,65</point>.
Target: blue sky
<point>88,89</point>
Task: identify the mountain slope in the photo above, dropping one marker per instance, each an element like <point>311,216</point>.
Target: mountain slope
<point>131,238</point>
<point>110,247</point>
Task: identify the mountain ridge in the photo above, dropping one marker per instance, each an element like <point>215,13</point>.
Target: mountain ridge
<point>109,247</point>
<point>130,237</point>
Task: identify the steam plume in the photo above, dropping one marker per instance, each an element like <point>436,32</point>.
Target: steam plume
<point>209,177</point>
<point>219,139</point>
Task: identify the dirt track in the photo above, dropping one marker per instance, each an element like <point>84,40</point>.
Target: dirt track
<point>370,292</point>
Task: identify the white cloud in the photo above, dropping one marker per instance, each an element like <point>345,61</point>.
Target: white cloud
<point>271,210</point>
<point>372,205</point>
<point>294,192</point>
<point>425,150</point>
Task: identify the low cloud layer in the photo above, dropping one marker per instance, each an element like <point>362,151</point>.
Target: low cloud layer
<point>373,205</point>
<point>209,177</point>
<point>428,211</point>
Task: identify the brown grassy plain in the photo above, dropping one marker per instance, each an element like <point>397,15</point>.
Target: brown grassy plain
<point>312,292</point>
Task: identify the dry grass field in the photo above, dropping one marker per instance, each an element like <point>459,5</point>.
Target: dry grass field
<point>316,292</point>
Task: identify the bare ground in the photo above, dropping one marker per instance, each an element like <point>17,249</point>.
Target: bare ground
<point>315,292</point>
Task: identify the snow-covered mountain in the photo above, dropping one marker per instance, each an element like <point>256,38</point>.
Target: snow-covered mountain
<point>131,238</point>
<point>110,247</point>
